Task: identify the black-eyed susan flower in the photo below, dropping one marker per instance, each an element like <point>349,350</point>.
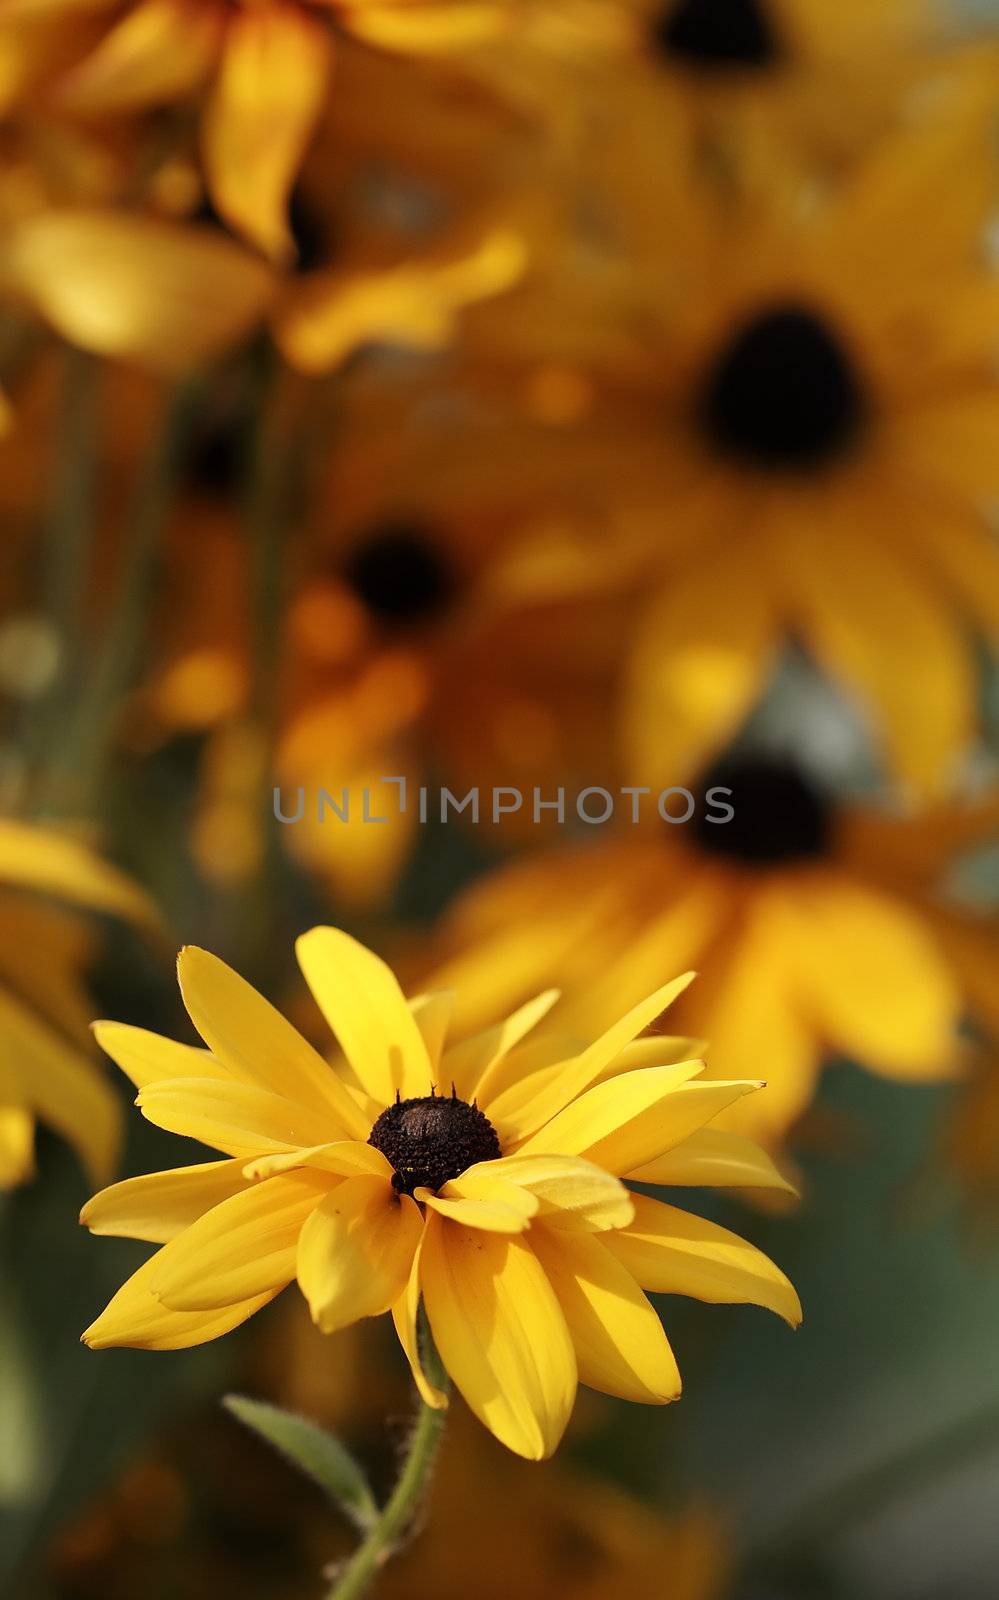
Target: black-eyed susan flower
<point>47,1072</point>
<point>824,928</point>
<point>259,73</point>
<point>483,1178</point>
<point>791,438</point>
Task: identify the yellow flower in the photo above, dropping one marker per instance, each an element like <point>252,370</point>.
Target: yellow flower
<point>498,1200</point>
<point>792,439</point>
<point>817,928</point>
<point>45,1071</point>
<point>261,69</point>
<point>766,79</point>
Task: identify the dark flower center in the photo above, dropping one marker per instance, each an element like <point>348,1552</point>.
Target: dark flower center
<point>780,814</point>
<point>399,573</point>
<point>713,35</point>
<point>783,394</point>
<point>433,1139</point>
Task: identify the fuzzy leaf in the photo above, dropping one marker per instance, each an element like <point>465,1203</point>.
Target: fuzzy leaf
<point>318,1454</point>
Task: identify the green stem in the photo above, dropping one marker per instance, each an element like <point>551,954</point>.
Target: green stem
<point>403,1505</point>
<point>865,1496</point>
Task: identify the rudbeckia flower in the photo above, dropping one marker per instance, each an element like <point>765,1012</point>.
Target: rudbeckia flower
<point>483,1178</point>
<point>824,929</point>
<point>46,1070</point>
<point>791,438</point>
<point>262,72</point>
<point>396,661</point>
<point>776,74</point>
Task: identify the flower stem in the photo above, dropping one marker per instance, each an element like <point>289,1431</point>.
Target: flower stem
<point>403,1504</point>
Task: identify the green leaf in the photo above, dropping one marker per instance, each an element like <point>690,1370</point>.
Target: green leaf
<point>318,1454</point>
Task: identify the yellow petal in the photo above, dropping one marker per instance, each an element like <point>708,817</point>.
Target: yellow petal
<point>258,1044</point>
<point>147,1058</point>
<point>621,1124</point>
<point>275,67</point>
<point>367,1011</point>
<point>500,1333</point>
<point>62,1087</point>
<point>482,1199</point>
<point>159,1205</point>
<point>432,1013</point>
<point>161,294</point>
<point>471,1064</point>
<point>415,306</point>
<point>717,1159</point>
<point>700,658</point>
<point>525,1112</point>
<point>33,857</point>
<point>431,29</point>
<point>356,1252</point>
<point>232,1117</point>
<point>17,1145</point>
<point>243,1247</point>
<point>346,1158</point>
<point>160,51</point>
<point>620,1345</point>
<point>405,1315</point>
<point>570,1193</point>
<point>671,1252</point>
<point>136,1317</point>
<point>874,976</point>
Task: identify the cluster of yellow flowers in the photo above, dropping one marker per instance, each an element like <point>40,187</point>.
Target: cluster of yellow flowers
<point>495,393</point>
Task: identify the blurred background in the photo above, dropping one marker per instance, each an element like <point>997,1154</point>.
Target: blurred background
<point>579,395</point>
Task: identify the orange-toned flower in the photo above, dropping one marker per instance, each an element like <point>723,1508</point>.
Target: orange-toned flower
<point>823,928</point>
<point>262,71</point>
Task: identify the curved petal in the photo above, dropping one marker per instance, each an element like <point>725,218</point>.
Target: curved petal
<point>160,51</point>
<point>346,1158</point>
<point>241,1248</point>
<point>258,1044</point>
<point>356,1252</point>
<point>527,1115</point>
<point>163,294</point>
<point>874,976</point>
<point>432,1014</point>
<point>64,1088</point>
<point>148,1058</point>
<point>620,1345</point>
<point>406,1316</point>
<point>700,658</point>
<point>232,1117</point>
<point>715,1158</point>
<point>37,857</point>
<point>159,1205</point>
<point>136,1317</point>
<point>500,1333</point>
<point>621,1124</point>
<point>570,1193</point>
<point>367,1011</point>
<point>471,1064</point>
<point>276,63</point>
<point>671,1252</point>
<point>481,1198</point>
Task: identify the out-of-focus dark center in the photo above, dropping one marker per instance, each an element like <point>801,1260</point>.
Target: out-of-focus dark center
<point>400,574</point>
<point>718,35</point>
<point>780,814</point>
<point>783,394</point>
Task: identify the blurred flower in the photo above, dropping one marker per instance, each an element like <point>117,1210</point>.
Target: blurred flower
<point>261,71</point>
<point>816,927</point>
<point>790,436</point>
<point>499,1202</point>
<point>45,1068</point>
